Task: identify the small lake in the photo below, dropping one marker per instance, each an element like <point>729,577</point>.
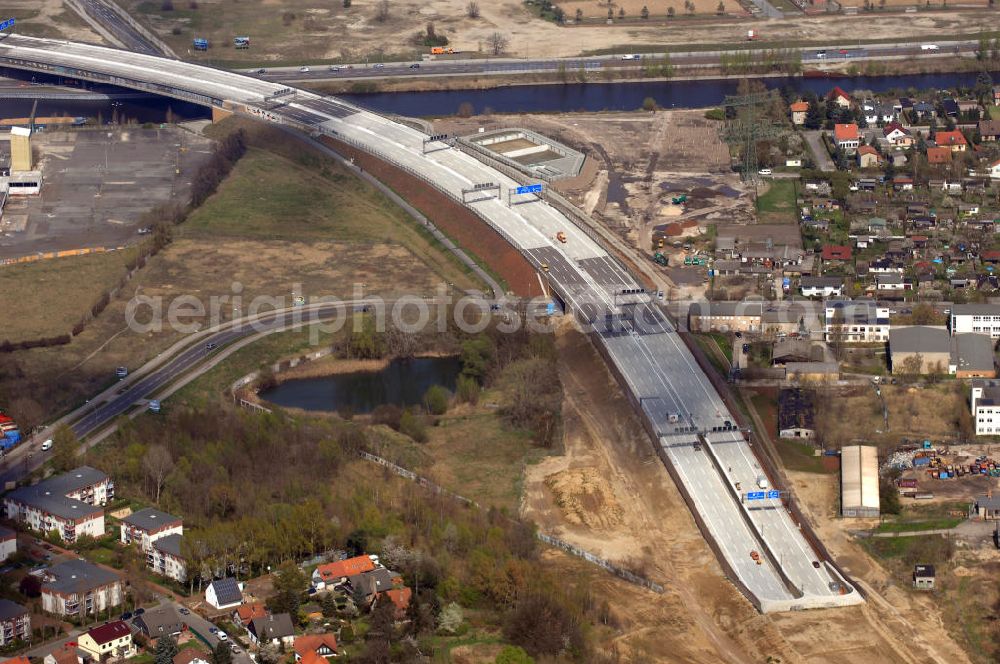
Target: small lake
<point>402,382</point>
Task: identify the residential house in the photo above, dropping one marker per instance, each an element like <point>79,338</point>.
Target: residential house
<point>885,265</point>
<point>821,286</point>
<point>868,157</point>
<point>835,252</point>
<point>370,584</point>
<point>147,525</point>
<point>796,413</point>
<point>275,629</point>
<point>839,97</point>
<point>968,105</point>
<point>877,226</point>
<point>923,577</point>
<point>976,318</point>
<point>950,108</point>
<point>846,137</point>
<point>709,317</point>
<point>987,507</point>
<point>799,111</point>
<point>195,656</point>
<point>244,613</point>
<point>897,135</point>
<point>67,653</point>
<point>891,282</point>
<point>993,170</point>
<point>989,130</point>
<point>400,598</point>
<point>163,620</point>
<point>902,105</point>
<point>111,640</point>
<point>876,113</point>
<point>856,321</point>
<point>324,645</point>
<point>954,139</point>
<point>338,572</point>
<point>224,593</point>
<point>922,110</point>
<point>8,543</point>
<point>968,209</point>
<point>902,183</point>
<point>67,504</point>
<point>77,588</point>
<point>166,557</point>
<point>937,155</point>
<point>15,623</point>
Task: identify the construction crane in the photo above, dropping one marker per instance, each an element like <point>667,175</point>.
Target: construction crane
<point>748,127</point>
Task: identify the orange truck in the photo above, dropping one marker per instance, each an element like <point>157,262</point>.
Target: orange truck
<point>561,237</point>
<point>755,556</point>
<point>441,50</point>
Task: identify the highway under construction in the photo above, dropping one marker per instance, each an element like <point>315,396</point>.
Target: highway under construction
<point>745,519</point>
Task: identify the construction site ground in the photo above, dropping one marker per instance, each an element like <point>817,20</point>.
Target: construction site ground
<point>636,164</point>
<point>609,493</point>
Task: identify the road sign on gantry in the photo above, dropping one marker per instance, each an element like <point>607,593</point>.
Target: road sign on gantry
<point>7,25</point>
<point>529,189</point>
<point>772,494</point>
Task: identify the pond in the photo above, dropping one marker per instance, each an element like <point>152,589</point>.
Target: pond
<point>402,382</point>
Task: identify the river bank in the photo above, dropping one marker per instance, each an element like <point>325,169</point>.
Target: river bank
<point>330,365</point>
<point>834,70</point>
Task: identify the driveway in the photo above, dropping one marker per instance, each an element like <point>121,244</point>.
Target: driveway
<point>201,627</point>
<point>820,155</point>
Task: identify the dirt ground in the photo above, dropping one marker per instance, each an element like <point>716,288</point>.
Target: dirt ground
<point>592,9</point>
<point>637,162</point>
<point>50,18</point>
<point>609,494</point>
<point>326,30</point>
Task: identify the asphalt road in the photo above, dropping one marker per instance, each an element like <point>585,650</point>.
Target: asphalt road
<point>663,377</point>
<point>456,65</point>
<point>131,38</point>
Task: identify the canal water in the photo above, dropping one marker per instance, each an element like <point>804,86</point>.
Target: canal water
<point>402,383</point>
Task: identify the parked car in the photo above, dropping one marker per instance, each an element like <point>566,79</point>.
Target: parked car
<point>139,611</point>
<point>126,616</point>
<point>222,635</point>
<point>379,65</point>
<point>262,71</point>
<point>184,611</point>
<point>47,445</point>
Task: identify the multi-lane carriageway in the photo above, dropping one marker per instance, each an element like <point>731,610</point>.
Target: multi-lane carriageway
<point>693,426</point>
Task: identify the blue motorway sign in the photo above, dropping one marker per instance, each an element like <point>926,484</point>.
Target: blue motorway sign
<point>755,495</point>
<point>773,494</point>
<point>529,189</point>
<point>6,25</point>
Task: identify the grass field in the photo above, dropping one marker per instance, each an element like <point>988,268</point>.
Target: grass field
<point>47,298</point>
<point>940,523</point>
<point>777,204</point>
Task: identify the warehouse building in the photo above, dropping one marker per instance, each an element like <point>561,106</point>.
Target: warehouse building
<point>859,481</point>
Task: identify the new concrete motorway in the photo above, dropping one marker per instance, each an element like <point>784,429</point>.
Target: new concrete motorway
<point>674,394</point>
<point>457,65</point>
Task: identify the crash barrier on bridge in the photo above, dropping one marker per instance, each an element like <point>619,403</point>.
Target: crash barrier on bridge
<point>618,571</point>
<point>745,513</point>
<point>770,468</point>
<point>648,425</point>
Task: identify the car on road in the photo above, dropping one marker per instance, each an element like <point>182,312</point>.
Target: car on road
<point>235,649</point>
<point>630,56</point>
<point>746,348</point>
<point>764,171</point>
<point>303,70</point>
<point>139,611</point>
<point>843,51</point>
<point>47,445</point>
<point>816,564</point>
<point>415,65</point>
<point>222,635</point>
<point>213,630</point>
<point>820,54</point>
<point>121,391</point>
<point>184,610</point>
<point>261,71</point>
<point>126,616</point>
<point>379,65</point>
<point>334,68</point>
<point>211,346</point>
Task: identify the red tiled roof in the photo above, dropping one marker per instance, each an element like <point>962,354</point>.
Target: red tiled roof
<point>891,127</point>
<point>248,612</point>
<point>799,106</point>
<point>867,149</point>
<point>343,568</point>
<point>109,632</point>
<point>836,252</point>
<point>950,138</point>
<point>310,643</point>
<point>66,654</point>
<point>938,155</point>
<point>846,132</point>
<point>903,179</point>
<point>991,255</point>
<point>837,92</point>
<point>400,597</point>
<point>19,660</point>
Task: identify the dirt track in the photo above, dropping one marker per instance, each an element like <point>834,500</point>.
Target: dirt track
<point>609,494</point>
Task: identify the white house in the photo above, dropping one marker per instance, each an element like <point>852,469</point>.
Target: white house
<point>68,504</point>
<point>994,170</point>
<point>985,405</point>
<point>890,282</point>
<point>822,286</point>
<point>8,543</point>
<point>976,318</point>
<point>165,558</point>
<point>224,593</point>
<point>856,321</point>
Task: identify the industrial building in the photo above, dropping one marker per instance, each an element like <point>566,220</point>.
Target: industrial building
<point>859,481</point>
<point>924,349</point>
<point>796,414</point>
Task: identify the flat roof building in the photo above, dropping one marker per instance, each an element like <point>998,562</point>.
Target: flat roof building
<point>859,481</point>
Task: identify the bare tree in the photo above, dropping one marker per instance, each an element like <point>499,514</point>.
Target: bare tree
<point>498,43</point>
<point>158,463</point>
<point>382,11</point>
<point>472,9</point>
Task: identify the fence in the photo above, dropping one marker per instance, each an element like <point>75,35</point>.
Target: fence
<point>620,572</point>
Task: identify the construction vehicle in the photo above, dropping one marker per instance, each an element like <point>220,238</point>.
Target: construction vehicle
<point>660,258</point>
<point>561,237</point>
<point>756,557</point>
<point>442,50</point>
<point>678,200</point>
<point>545,267</point>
